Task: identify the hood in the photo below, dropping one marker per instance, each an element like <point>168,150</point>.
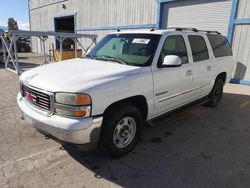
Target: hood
<point>76,75</point>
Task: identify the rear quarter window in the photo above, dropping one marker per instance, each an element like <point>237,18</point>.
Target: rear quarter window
<point>220,45</point>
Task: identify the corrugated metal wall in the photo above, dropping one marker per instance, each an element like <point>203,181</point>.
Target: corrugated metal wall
<point>241,43</point>
<point>92,13</point>
<point>243,9</point>
<point>200,14</point>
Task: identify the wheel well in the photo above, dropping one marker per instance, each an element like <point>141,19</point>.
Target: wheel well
<point>222,76</point>
<point>138,101</point>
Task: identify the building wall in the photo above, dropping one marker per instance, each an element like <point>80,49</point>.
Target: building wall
<point>241,42</point>
<point>91,13</point>
<point>243,9</point>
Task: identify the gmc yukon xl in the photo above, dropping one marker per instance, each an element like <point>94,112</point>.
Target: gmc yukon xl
<point>127,79</point>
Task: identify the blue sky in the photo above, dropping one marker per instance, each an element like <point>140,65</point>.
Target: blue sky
<point>18,9</point>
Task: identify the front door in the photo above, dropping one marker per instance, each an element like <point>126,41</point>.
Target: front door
<point>172,85</point>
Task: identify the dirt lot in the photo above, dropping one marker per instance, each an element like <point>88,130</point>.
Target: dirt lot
<point>201,148</point>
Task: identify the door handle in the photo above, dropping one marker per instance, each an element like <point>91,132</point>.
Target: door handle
<point>209,68</point>
<point>189,72</point>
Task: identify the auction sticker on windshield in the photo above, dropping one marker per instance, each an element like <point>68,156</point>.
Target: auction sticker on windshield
<point>141,41</point>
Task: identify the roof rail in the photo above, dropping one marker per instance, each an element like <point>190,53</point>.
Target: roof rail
<point>216,32</point>
<point>189,29</point>
<point>180,29</point>
<point>184,28</point>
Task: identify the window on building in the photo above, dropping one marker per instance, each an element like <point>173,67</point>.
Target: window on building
<point>219,45</point>
<point>198,47</point>
<point>174,45</point>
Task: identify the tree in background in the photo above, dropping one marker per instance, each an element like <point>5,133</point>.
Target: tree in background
<point>12,24</point>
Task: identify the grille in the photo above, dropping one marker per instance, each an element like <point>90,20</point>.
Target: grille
<point>37,98</point>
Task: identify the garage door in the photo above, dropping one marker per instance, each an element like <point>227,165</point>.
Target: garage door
<point>201,14</point>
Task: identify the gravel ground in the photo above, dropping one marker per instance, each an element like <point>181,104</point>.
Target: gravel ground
<point>203,147</point>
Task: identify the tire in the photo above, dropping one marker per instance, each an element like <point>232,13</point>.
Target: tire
<point>216,93</point>
<point>121,129</point>
<point>1,58</point>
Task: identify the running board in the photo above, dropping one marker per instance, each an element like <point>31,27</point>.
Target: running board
<point>176,112</point>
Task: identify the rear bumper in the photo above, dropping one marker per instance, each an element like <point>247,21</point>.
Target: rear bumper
<point>76,131</point>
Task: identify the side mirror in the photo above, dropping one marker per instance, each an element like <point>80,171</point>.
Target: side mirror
<point>171,61</point>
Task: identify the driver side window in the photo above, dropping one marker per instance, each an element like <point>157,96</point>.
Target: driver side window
<point>174,45</point>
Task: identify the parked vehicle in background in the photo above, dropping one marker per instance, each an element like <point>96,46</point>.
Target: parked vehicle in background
<point>23,45</point>
<point>1,52</point>
<point>129,78</point>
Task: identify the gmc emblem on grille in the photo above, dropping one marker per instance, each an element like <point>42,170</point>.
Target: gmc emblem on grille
<point>28,96</point>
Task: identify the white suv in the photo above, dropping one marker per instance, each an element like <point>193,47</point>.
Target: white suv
<point>129,78</point>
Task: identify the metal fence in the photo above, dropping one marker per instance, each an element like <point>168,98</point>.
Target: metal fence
<point>9,47</point>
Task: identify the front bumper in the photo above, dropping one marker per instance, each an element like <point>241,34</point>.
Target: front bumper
<point>72,130</point>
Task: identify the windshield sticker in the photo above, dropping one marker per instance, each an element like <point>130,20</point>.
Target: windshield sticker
<point>141,41</point>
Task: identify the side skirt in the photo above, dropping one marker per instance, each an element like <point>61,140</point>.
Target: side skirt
<point>176,112</point>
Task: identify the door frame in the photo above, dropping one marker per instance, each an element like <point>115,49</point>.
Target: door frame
<point>64,16</point>
<point>164,95</point>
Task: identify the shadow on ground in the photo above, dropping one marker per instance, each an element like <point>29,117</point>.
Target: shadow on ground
<point>22,65</point>
<point>204,147</point>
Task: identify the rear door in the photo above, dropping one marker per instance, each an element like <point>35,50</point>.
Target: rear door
<point>172,84</point>
<point>202,64</point>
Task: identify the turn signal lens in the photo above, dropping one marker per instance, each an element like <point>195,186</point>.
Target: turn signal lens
<point>83,99</point>
<point>79,113</point>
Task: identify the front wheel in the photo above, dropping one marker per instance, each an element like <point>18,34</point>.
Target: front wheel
<point>121,131</point>
<point>216,93</point>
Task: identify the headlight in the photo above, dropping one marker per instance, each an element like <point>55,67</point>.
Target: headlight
<point>72,104</point>
<point>73,99</point>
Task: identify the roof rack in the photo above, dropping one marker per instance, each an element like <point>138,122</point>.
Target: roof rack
<point>180,29</point>
<point>189,29</point>
<point>183,29</point>
<point>216,32</point>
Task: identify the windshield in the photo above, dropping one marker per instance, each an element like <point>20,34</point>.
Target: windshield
<point>130,49</point>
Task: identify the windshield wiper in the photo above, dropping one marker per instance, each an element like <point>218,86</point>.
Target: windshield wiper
<point>110,58</point>
<point>90,56</point>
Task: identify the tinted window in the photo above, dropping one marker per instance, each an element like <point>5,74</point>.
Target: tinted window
<point>219,45</point>
<point>174,45</point>
<point>198,47</point>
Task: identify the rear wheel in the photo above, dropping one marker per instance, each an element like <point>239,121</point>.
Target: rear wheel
<point>216,93</point>
<point>121,131</point>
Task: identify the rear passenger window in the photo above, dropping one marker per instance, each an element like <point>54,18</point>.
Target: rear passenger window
<point>174,45</point>
<point>198,47</point>
<point>219,45</point>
